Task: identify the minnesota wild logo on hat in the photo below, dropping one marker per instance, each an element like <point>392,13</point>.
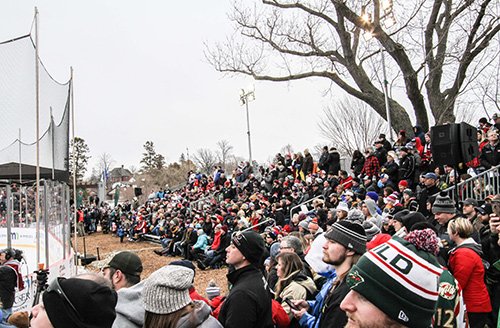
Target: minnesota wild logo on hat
<point>354,278</point>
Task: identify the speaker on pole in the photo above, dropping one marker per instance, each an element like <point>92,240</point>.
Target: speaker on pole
<point>453,144</point>
<point>137,191</point>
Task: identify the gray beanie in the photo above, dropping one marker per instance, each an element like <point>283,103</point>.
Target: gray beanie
<point>371,230</point>
<point>351,235</point>
<point>167,289</point>
<point>443,204</point>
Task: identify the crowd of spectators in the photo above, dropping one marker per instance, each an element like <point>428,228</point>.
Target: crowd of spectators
<point>300,229</point>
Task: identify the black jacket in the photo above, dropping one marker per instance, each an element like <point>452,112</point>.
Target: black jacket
<point>307,165</point>
<point>333,316</point>
<point>490,155</point>
<point>333,163</point>
<point>8,283</point>
<point>249,301</point>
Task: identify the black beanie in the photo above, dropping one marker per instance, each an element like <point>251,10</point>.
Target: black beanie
<point>250,244</point>
<point>351,235</point>
<point>94,303</point>
<point>411,219</point>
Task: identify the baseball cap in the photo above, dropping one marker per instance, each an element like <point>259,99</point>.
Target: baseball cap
<point>126,262</point>
<point>484,209</point>
<point>470,201</point>
<point>430,175</point>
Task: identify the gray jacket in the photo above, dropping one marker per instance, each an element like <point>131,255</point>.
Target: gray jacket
<point>129,309</point>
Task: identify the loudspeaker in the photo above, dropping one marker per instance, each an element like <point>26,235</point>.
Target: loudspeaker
<point>453,144</point>
<point>137,192</point>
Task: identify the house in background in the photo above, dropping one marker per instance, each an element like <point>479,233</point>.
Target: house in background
<point>119,174</point>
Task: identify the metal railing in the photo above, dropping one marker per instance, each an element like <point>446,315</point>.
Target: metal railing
<point>477,187</point>
<point>304,203</point>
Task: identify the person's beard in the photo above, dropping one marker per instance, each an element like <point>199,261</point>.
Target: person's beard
<point>336,262</point>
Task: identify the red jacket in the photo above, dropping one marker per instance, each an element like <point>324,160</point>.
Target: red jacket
<point>467,267</point>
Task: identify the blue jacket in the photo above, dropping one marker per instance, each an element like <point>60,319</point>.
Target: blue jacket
<point>311,318</point>
<point>201,242</point>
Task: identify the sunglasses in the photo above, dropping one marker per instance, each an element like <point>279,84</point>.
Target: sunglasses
<point>56,288</point>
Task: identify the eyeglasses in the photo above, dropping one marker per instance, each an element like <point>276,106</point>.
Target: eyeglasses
<point>56,288</point>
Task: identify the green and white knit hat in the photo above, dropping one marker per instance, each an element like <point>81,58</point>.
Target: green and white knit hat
<point>400,280</point>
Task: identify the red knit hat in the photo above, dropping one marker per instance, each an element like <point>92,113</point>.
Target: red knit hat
<point>403,183</point>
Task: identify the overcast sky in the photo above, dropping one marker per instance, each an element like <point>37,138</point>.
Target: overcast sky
<point>140,74</point>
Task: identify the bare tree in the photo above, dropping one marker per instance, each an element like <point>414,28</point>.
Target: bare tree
<point>205,159</point>
<point>133,169</point>
<point>286,149</point>
<point>349,125</point>
<point>224,151</point>
<point>435,51</point>
<point>105,163</point>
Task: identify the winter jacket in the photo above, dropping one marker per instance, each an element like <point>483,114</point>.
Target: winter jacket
<point>301,288</point>
<point>490,155</point>
<point>392,170</point>
<point>333,162</point>
<point>407,168</point>
<point>375,218</point>
<point>311,318</point>
<point>8,283</point>
<point>333,316</point>
<point>248,304</point>
<point>381,155</point>
<point>199,317</point>
<point>371,168</point>
<point>129,308</point>
<point>357,165</point>
<point>467,267</point>
<point>307,165</point>
<point>324,160</point>
<point>201,242</point>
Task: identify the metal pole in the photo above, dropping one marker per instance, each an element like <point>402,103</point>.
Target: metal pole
<point>20,180</point>
<point>9,216</point>
<point>47,187</point>
<point>52,144</point>
<point>75,219</point>
<point>248,131</point>
<point>386,96</point>
<point>37,194</point>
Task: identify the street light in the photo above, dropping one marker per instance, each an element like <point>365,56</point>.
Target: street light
<point>388,20</point>
<point>245,97</point>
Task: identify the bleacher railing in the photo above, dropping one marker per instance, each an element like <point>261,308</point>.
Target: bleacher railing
<point>477,187</point>
<point>305,203</point>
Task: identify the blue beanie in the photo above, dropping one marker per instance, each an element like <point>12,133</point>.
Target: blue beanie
<point>373,195</point>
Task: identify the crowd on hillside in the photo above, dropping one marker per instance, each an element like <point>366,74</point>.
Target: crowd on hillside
<point>309,243</point>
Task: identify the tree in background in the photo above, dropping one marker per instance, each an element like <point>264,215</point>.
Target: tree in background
<point>78,157</point>
<point>205,159</point>
<point>349,125</point>
<point>151,161</point>
<point>224,151</point>
<point>436,51</point>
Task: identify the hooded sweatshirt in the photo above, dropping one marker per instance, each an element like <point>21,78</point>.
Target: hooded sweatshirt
<point>129,309</point>
<point>375,217</point>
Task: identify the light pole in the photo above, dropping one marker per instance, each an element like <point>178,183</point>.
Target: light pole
<point>388,19</point>
<point>245,97</point>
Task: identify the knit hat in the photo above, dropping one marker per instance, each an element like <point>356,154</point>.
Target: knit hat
<point>443,204</point>
<point>167,289</point>
<point>355,216</point>
<point>412,218</point>
<point>185,263</point>
<point>371,230</point>
<point>212,290</point>
<point>304,224</point>
<point>400,280</point>
<point>373,195</point>
<point>250,244</point>
<point>400,215</point>
<point>127,262</point>
<point>77,302</point>
<point>351,235</point>
<point>409,192</point>
<point>403,183</point>
<point>392,153</point>
<point>342,206</point>
<point>392,198</point>
<point>377,240</point>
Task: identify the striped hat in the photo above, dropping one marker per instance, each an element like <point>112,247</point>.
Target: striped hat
<point>400,280</point>
<point>351,235</point>
<point>443,204</point>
